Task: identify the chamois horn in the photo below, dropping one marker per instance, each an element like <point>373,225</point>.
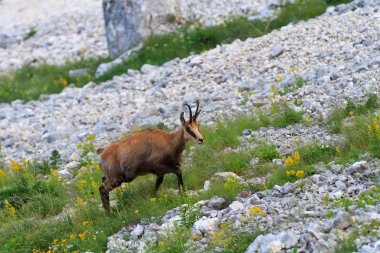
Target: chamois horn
<point>197,111</point>
<point>190,112</point>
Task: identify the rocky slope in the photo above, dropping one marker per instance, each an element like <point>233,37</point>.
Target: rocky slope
<point>338,54</point>
<point>293,216</point>
<point>69,30</point>
<point>64,30</point>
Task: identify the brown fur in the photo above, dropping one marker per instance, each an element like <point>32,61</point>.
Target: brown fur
<point>149,151</point>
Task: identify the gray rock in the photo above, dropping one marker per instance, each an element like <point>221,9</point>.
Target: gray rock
<point>75,73</point>
<point>129,21</point>
<point>340,185</point>
<point>7,38</point>
<point>276,51</point>
<point>342,220</point>
<point>137,232</point>
<point>223,177</point>
<point>357,167</point>
<point>246,132</point>
<point>105,67</point>
<point>53,136</point>
<point>289,239</point>
<point>65,174</point>
<point>254,161</point>
<point>236,206</point>
<point>217,203</point>
<point>206,225</point>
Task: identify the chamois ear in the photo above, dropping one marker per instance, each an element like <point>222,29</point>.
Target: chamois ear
<point>183,121</point>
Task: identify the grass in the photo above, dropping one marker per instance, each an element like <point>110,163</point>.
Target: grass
<point>30,220</point>
<point>29,82</point>
<point>32,31</point>
<point>337,116</point>
<point>29,216</point>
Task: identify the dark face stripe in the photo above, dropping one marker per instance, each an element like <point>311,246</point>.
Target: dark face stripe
<point>188,130</point>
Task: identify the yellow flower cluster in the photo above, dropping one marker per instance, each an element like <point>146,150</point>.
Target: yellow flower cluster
<point>289,162</point>
<point>161,245</point>
<point>375,131</point>
<point>3,173</point>
<point>297,173</point>
<point>256,211</point>
<point>307,120</point>
<point>11,210</point>
<point>83,235</point>
<point>153,200</point>
<point>222,238</point>
<point>278,78</point>
<point>15,166</point>
<point>80,201</point>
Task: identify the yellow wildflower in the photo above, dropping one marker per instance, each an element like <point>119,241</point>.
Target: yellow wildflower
<point>63,81</point>
<point>137,212</point>
<point>256,210</point>
<point>85,223</point>
<point>63,241</point>
<point>79,201</point>
<point>296,158</point>
<point>289,162</point>
<point>293,69</point>
<point>161,245</point>
<point>54,242</point>
<point>94,238</point>
<point>94,185</point>
<point>279,78</point>
<point>10,209</point>
<point>337,149</point>
<point>377,127</point>
<point>15,166</point>
<point>83,235</point>
<point>2,173</point>
<point>300,173</point>
<point>344,236</point>
<point>73,236</point>
<point>153,200</point>
<point>369,128</point>
<point>82,182</point>
<point>351,113</point>
<point>54,173</point>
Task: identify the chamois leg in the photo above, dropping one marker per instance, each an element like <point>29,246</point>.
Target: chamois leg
<point>105,188</point>
<point>178,173</point>
<point>159,182</point>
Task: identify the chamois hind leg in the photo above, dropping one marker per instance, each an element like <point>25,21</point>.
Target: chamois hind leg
<point>105,188</point>
<point>159,182</point>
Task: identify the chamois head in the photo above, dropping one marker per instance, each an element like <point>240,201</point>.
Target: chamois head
<point>191,126</point>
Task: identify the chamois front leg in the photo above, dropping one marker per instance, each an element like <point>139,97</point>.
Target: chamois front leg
<point>159,182</point>
<point>105,188</point>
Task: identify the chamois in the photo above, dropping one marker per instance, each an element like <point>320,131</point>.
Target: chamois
<point>148,151</point>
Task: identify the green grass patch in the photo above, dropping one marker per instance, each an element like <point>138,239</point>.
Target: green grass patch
<point>29,82</point>
<point>265,152</point>
<point>336,118</point>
